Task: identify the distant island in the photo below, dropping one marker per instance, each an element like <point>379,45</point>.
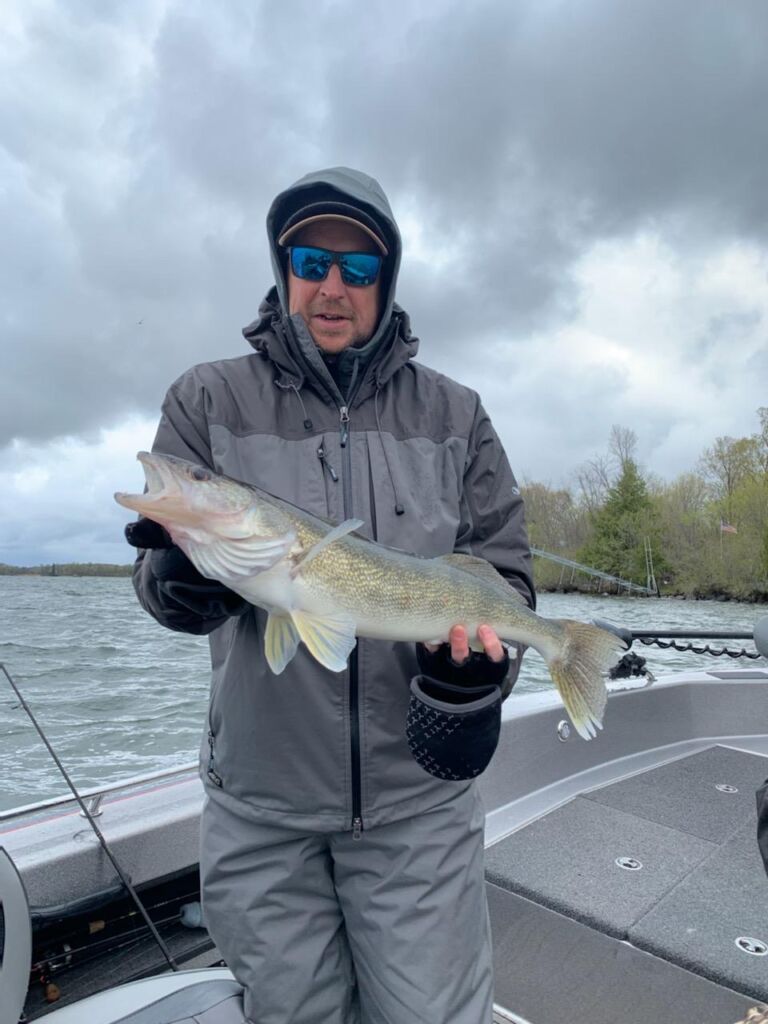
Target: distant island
<point>67,569</point>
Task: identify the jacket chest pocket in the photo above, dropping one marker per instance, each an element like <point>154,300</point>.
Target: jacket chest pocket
<point>422,478</point>
<point>286,468</point>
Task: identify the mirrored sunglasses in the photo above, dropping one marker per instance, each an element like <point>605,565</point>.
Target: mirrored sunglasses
<point>357,268</point>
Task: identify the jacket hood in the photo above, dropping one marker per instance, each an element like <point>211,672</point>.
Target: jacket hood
<point>343,185</point>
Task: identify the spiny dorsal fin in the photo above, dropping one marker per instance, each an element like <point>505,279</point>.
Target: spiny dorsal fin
<point>479,567</point>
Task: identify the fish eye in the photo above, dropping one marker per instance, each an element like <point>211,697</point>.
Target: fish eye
<point>200,474</point>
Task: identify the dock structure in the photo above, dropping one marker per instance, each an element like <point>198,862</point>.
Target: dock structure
<point>603,577</point>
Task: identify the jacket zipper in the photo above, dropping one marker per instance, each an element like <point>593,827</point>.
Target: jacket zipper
<point>323,456</point>
<point>354,694</point>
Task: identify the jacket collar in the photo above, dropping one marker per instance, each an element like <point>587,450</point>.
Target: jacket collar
<point>287,343</point>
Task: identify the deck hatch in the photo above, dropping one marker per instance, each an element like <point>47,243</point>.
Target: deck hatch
<point>702,886</point>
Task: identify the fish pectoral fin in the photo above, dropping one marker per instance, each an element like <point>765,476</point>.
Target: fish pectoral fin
<point>330,639</point>
<point>281,641</point>
<point>348,526</point>
<point>230,558</point>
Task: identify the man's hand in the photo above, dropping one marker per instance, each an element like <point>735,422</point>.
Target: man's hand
<point>177,580</point>
<point>463,691</point>
<point>458,639</point>
<point>145,533</point>
<point>456,664</point>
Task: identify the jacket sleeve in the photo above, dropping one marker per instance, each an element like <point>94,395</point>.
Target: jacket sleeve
<point>166,583</point>
<point>492,522</point>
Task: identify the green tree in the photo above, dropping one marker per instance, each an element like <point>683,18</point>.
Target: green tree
<point>556,523</point>
<point>621,526</point>
<point>729,463</point>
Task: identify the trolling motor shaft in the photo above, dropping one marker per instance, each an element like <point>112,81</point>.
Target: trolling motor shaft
<point>759,636</point>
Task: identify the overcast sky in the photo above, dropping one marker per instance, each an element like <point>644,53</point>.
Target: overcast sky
<point>581,188</point>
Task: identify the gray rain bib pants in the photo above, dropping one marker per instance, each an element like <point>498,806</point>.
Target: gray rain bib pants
<point>323,928</point>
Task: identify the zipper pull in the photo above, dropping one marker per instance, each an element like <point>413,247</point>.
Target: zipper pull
<point>344,417</point>
<point>211,772</point>
<point>326,464</point>
<point>357,828</point>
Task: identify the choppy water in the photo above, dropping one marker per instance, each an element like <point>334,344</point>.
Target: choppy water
<point>118,695</point>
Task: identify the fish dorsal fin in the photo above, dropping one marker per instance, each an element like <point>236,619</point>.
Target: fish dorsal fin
<point>348,526</point>
<point>478,567</point>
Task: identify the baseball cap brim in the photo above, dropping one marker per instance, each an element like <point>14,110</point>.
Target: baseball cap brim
<point>332,211</point>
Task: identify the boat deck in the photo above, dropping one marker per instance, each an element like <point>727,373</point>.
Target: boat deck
<point>637,893</point>
<point>668,789</point>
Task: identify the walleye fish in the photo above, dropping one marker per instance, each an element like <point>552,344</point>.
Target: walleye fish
<point>325,585</point>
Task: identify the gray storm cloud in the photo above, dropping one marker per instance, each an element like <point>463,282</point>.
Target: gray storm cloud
<point>140,148</point>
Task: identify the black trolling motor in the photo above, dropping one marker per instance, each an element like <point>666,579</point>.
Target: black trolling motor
<point>632,664</point>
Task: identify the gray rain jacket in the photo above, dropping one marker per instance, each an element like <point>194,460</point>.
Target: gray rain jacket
<point>411,453</point>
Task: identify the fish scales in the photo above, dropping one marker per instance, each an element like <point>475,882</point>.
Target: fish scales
<point>377,584</point>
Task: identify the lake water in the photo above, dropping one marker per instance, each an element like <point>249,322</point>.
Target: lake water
<point>118,695</point>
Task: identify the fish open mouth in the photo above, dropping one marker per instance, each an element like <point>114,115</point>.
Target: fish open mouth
<point>162,486</point>
<point>156,483</point>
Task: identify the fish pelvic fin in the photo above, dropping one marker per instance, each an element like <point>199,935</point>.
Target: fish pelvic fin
<point>329,639</point>
<point>577,670</point>
<point>281,641</point>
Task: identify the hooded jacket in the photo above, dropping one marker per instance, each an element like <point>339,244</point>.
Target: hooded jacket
<point>411,453</point>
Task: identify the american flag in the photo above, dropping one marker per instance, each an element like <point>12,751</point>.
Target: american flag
<point>726,527</point>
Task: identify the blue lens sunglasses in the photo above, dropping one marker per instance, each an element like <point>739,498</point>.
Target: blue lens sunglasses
<point>358,269</point>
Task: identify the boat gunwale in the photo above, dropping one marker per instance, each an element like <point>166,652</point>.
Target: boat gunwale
<point>133,782</point>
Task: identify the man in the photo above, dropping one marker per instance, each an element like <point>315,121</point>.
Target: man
<point>342,881</point>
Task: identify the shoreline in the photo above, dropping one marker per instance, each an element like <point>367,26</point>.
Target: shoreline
<point>111,571</point>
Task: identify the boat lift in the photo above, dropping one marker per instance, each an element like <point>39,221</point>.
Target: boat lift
<point>626,585</point>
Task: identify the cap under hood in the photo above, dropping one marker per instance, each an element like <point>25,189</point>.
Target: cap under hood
<point>353,189</point>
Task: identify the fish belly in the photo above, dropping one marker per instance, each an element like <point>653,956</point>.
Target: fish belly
<point>273,590</point>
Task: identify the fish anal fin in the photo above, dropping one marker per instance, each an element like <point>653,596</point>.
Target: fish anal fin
<point>281,641</point>
<point>348,526</point>
<point>329,639</point>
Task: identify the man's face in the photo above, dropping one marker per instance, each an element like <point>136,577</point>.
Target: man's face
<point>337,315</point>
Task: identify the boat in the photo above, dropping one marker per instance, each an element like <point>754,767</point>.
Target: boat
<point>624,879</point>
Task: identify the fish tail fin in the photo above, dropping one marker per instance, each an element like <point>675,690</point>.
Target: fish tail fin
<point>577,668</point>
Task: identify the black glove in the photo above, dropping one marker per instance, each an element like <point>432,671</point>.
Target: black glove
<point>453,730</point>
<point>177,578</point>
<point>477,670</point>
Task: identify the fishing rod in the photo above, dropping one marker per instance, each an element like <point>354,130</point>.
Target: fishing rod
<point>87,814</point>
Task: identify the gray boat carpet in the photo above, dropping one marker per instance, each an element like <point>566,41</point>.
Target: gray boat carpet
<point>701,884</point>
<point>684,794</point>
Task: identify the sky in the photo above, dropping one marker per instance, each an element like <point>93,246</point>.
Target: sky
<point>580,187</point>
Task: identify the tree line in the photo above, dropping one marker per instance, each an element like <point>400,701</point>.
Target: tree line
<point>706,531</point>
<point>67,569</point>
